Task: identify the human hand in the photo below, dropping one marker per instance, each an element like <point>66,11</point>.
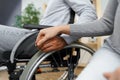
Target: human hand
<point>48,33</point>
<point>113,75</point>
<point>53,44</point>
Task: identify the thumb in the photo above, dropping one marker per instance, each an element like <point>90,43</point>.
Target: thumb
<point>39,36</point>
<point>107,75</point>
<point>41,41</point>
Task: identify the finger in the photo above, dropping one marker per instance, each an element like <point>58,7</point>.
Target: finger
<point>49,49</point>
<point>114,76</point>
<point>41,41</point>
<point>119,77</point>
<point>107,75</point>
<point>46,46</point>
<point>117,74</point>
<point>39,36</point>
<point>39,47</point>
<point>48,43</point>
<point>45,43</point>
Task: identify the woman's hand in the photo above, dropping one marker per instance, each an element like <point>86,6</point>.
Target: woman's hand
<point>48,33</point>
<point>113,75</point>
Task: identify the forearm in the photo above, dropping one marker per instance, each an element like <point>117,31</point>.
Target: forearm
<point>65,29</point>
<point>101,27</point>
<point>95,28</point>
<point>86,13</point>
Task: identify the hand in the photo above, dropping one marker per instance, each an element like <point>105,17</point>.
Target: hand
<point>113,75</point>
<point>48,33</point>
<point>53,44</point>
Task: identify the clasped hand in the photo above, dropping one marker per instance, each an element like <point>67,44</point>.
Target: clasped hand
<point>47,40</point>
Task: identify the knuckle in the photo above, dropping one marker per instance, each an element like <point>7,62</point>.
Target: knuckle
<point>45,37</point>
<point>55,42</point>
<point>42,31</point>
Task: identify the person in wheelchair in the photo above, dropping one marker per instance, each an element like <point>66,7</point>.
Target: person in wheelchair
<point>57,12</point>
<point>107,58</point>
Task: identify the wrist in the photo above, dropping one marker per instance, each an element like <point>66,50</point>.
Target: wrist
<point>64,29</point>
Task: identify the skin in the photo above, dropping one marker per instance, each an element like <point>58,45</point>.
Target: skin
<point>113,75</point>
<point>56,43</point>
<point>50,35</point>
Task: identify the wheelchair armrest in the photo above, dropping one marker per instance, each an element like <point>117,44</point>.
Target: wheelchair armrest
<point>31,26</point>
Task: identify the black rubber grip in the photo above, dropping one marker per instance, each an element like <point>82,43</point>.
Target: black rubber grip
<point>31,26</point>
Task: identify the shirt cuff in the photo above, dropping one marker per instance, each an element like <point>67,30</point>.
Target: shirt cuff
<point>69,39</point>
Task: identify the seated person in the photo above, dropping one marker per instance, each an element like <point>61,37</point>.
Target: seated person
<point>57,12</point>
<point>107,58</point>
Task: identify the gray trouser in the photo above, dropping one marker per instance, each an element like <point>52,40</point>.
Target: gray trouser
<point>9,37</point>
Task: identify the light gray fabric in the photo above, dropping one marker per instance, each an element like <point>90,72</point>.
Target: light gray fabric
<point>104,60</point>
<point>58,13</point>
<point>109,24</point>
<point>9,37</point>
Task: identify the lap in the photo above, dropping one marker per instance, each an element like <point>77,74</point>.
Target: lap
<point>104,60</point>
<point>9,36</point>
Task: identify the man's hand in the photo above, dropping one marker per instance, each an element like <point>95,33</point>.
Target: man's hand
<point>114,75</point>
<point>52,44</point>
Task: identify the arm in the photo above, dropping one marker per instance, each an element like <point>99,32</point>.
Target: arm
<point>101,27</point>
<point>104,26</point>
<point>86,13</point>
<point>84,9</point>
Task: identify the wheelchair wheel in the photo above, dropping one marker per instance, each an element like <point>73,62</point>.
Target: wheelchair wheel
<point>57,65</point>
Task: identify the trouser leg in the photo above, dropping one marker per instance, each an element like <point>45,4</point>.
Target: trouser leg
<point>104,60</point>
<point>9,37</point>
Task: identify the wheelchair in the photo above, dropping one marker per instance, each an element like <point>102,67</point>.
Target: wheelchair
<point>37,63</point>
<point>56,65</point>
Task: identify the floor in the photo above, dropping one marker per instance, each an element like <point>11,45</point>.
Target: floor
<point>4,75</point>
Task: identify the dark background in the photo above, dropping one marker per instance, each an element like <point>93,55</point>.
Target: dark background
<point>8,10</point>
